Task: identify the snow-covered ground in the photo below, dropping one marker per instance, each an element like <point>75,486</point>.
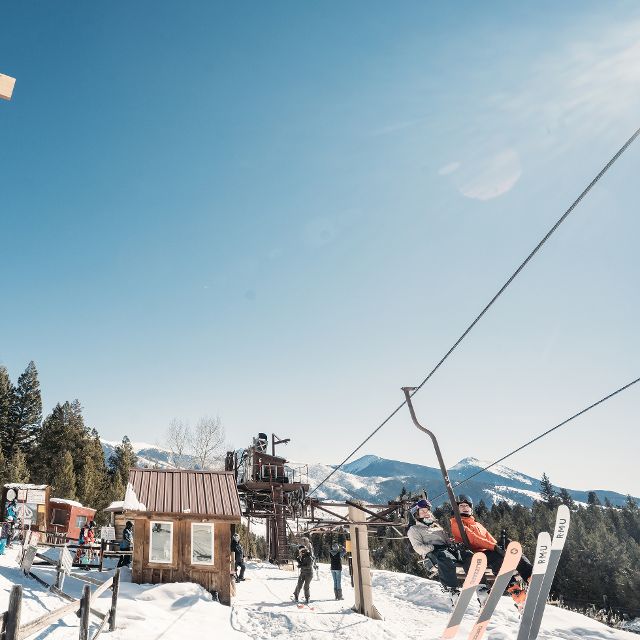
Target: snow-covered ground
<point>413,608</point>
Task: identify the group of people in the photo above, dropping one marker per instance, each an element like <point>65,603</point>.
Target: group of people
<point>432,542</point>
<point>306,564</point>
<point>87,539</point>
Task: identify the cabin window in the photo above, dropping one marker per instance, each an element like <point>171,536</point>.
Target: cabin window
<point>201,543</point>
<point>81,521</point>
<point>59,517</point>
<point>161,545</point>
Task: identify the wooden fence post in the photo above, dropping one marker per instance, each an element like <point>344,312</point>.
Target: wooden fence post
<point>85,610</point>
<point>103,546</point>
<point>13,614</point>
<point>114,600</point>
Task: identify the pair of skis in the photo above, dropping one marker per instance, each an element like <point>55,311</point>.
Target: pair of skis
<point>548,553</point>
<point>475,574</point>
<point>546,562</point>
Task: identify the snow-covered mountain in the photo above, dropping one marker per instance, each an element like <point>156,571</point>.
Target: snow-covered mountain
<point>149,455</point>
<point>375,479</point>
<point>378,479</point>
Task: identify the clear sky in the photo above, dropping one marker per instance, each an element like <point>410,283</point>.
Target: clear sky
<point>282,212</point>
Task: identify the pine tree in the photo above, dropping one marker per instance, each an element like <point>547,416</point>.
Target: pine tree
<point>4,471</point>
<point>6,393</point>
<point>25,413</point>
<point>123,459</point>
<point>64,478</point>
<point>547,492</point>
<point>592,498</point>
<point>17,470</point>
<point>565,498</point>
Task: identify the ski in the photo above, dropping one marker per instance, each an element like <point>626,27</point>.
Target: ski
<point>541,562</point>
<point>300,605</point>
<point>512,557</point>
<point>563,519</point>
<point>474,576</point>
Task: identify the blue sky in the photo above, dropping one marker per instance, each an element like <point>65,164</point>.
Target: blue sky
<point>283,212</point>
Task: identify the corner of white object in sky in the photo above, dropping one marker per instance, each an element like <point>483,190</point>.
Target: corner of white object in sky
<point>131,501</point>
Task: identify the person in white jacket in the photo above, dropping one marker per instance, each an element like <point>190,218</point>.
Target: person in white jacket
<point>430,540</point>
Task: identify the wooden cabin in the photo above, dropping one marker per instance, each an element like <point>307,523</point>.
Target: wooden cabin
<point>32,503</point>
<point>182,527</point>
<point>68,517</point>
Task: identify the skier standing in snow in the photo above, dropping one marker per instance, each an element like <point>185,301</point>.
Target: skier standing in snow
<point>305,564</point>
<point>309,547</point>
<point>430,540</point>
<point>238,552</point>
<point>336,554</point>
<point>481,540</point>
<point>125,545</point>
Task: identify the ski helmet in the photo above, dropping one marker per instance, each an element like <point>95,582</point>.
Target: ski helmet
<point>421,504</point>
<point>462,498</point>
<point>335,547</point>
<point>236,536</point>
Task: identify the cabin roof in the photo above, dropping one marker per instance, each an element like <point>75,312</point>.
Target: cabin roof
<point>179,491</point>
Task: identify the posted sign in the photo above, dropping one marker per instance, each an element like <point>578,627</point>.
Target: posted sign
<point>108,533</point>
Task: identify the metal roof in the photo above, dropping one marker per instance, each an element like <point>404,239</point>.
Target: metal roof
<point>201,493</point>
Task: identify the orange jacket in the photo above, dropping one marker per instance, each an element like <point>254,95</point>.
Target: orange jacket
<point>479,538</point>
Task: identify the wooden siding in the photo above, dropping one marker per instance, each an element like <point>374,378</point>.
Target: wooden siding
<point>214,578</point>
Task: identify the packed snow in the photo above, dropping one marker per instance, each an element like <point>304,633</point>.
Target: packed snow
<point>72,503</point>
<point>342,485</point>
<point>497,469</point>
<point>413,608</point>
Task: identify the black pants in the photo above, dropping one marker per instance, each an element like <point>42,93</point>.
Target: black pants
<point>240,563</point>
<point>494,562</point>
<point>124,560</point>
<point>304,579</point>
<point>446,563</point>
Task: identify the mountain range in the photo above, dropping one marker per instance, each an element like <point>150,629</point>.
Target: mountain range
<point>377,480</point>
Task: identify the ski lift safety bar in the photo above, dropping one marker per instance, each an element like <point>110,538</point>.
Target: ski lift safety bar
<point>443,468</point>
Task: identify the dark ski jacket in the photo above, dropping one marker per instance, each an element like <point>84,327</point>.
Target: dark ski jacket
<point>237,549</point>
<point>336,559</point>
<point>305,563</point>
<point>127,539</point>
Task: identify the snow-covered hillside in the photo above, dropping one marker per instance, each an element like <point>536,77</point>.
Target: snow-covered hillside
<point>413,608</point>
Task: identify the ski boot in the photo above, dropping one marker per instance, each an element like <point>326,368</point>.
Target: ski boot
<point>453,594</point>
<point>518,593</point>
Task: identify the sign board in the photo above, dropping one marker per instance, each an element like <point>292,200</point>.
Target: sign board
<point>27,558</point>
<point>108,533</point>
<point>32,496</point>
<point>66,561</point>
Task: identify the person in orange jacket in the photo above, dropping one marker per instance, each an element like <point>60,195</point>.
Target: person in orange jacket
<point>481,540</point>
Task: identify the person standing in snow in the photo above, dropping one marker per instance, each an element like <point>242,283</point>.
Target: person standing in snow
<point>305,564</point>
<point>238,551</point>
<point>309,547</point>
<point>336,554</point>
<point>481,540</point>
<point>126,544</point>
<point>431,541</point>
<point>86,539</point>
<point>11,517</point>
